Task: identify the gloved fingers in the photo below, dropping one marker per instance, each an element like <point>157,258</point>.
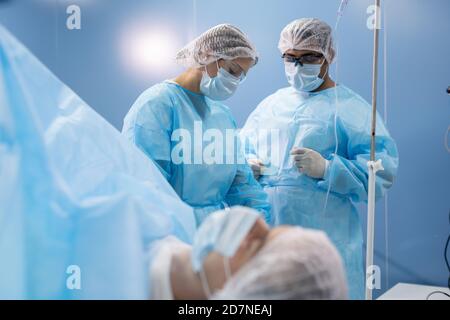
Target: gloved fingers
<point>256,171</point>
<point>300,157</point>
<point>259,162</point>
<point>255,162</point>
<point>256,165</point>
<point>296,151</point>
<point>299,164</point>
<point>304,161</point>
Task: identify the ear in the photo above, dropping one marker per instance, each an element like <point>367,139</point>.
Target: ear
<point>332,54</point>
<point>325,69</point>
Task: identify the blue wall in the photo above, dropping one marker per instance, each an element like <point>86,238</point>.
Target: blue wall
<point>410,242</point>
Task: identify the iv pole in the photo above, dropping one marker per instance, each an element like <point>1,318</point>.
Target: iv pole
<point>372,165</point>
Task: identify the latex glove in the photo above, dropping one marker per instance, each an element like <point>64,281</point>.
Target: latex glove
<point>257,166</point>
<point>309,162</point>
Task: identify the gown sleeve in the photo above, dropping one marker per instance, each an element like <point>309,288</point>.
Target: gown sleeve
<point>347,172</point>
<point>149,126</point>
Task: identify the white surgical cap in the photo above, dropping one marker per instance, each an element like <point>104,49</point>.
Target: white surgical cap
<point>221,42</point>
<point>295,265</point>
<point>308,34</point>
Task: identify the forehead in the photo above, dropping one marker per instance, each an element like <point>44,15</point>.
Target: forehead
<point>277,231</point>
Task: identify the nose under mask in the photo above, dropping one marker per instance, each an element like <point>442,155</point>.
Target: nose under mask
<point>304,78</point>
<point>221,87</point>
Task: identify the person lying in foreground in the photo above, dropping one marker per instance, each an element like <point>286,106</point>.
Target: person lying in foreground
<point>235,256</point>
<point>83,213</point>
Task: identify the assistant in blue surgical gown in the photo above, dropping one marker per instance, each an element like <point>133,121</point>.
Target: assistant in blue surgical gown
<point>307,120</point>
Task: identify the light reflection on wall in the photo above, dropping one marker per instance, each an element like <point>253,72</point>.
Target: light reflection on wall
<point>148,50</point>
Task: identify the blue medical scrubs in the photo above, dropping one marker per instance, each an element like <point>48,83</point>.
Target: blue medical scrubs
<point>166,112</point>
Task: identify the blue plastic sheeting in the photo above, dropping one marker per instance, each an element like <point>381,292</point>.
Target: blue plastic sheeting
<point>79,205</point>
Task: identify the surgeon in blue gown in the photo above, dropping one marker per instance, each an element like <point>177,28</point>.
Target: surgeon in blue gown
<point>314,167</point>
<point>178,123</point>
<point>80,206</point>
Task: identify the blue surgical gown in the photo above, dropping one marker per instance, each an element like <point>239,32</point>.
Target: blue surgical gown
<point>308,120</point>
<point>79,204</point>
<point>164,112</point>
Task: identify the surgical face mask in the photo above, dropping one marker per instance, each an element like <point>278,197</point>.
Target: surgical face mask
<point>221,87</point>
<point>304,78</point>
<point>223,233</point>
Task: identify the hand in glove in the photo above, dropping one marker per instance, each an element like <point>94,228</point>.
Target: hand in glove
<point>257,166</point>
<point>309,162</point>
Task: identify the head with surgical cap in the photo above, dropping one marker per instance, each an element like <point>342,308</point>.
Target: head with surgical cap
<point>224,41</point>
<point>294,264</point>
<point>308,34</point>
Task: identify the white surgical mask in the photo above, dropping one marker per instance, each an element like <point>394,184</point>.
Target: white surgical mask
<point>221,87</point>
<point>222,232</point>
<point>304,78</point>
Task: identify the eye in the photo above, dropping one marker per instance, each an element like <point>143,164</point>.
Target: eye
<point>311,58</point>
<point>235,72</point>
<point>289,59</point>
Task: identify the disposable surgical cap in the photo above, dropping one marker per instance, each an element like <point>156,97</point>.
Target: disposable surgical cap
<point>297,264</point>
<point>308,34</point>
<point>221,42</point>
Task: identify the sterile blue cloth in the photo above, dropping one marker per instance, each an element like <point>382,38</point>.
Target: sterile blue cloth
<point>73,192</point>
<point>306,120</point>
<point>167,111</point>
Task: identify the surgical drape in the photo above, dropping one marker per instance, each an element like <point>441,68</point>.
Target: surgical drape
<point>77,201</point>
